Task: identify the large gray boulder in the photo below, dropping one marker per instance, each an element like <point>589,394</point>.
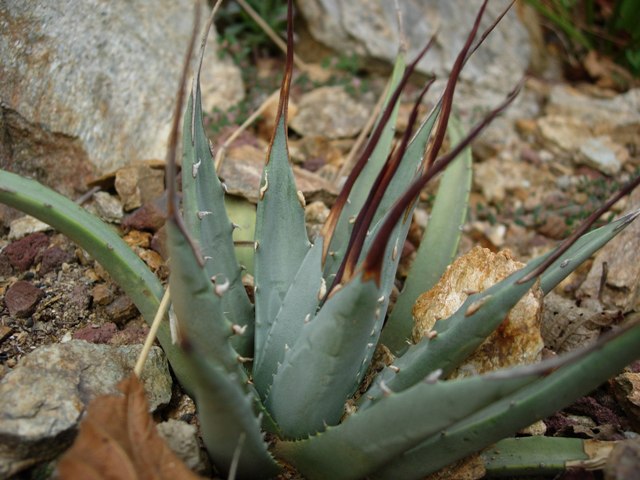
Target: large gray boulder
<point>90,86</point>
<point>370,28</point>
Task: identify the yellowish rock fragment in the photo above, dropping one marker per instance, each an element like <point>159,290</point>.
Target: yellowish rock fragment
<point>516,341</point>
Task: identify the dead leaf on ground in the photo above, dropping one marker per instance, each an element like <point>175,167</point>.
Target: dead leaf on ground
<point>118,440</point>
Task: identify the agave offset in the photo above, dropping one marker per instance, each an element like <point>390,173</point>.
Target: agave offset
<point>271,376</point>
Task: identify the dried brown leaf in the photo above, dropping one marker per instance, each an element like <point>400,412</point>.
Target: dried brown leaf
<point>118,440</point>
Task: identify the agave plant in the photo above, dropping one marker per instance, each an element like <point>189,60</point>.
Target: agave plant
<point>271,375</point>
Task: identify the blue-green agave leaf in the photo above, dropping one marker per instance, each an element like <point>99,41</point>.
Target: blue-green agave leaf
<point>368,439</point>
<point>439,244</point>
<point>323,368</point>
<point>197,303</point>
<point>584,247</point>
<point>459,335</point>
<point>243,215</point>
<point>535,456</point>
<point>409,167</point>
<point>298,306</point>
<point>513,412</point>
<point>226,404</point>
<point>207,221</point>
<point>281,237</point>
<point>362,185</point>
<point>229,425</point>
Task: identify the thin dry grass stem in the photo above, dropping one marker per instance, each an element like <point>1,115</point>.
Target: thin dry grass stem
<point>235,461</point>
<point>220,154</point>
<point>153,331</point>
<point>281,44</point>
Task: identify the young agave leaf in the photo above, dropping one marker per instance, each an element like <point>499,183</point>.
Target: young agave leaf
<point>362,185</point>
<point>103,243</point>
<point>439,244</point>
<point>205,215</point>
<point>408,169</point>
<point>100,240</point>
<point>515,411</point>
<point>361,233</point>
<point>281,237</point>
<point>321,370</point>
<point>459,335</point>
<point>369,439</point>
<point>299,306</point>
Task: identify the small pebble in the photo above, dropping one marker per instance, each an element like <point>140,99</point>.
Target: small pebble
<point>22,298</point>
<point>121,310</point>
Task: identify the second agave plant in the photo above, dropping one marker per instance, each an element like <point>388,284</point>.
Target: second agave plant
<point>272,374</point>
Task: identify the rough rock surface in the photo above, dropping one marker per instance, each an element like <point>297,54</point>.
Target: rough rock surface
<point>44,396</point>
<point>241,172</point>
<point>316,114</point>
<point>23,252</point>
<point>622,259</point>
<point>182,438</point>
<point>626,387</point>
<point>567,326</point>
<point>624,461</point>
<point>90,86</point>
<point>370,28</point>
<point>139,184</point>
<point>21,298</point>
<point>26,225</point>
<point>517,340</point>
<point>597,132</point>
<point>106,206</point>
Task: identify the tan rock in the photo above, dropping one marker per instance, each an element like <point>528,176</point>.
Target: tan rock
<point>242,170</point>
<point>138,184</point>
<point>516,341</point>
<point>330,112</point>
<point>626,388</point>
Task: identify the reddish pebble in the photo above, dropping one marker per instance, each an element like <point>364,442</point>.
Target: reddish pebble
<point>22,298</point>
<point>22,253</point>
<point>52,258</point>
<point>97,334</point>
